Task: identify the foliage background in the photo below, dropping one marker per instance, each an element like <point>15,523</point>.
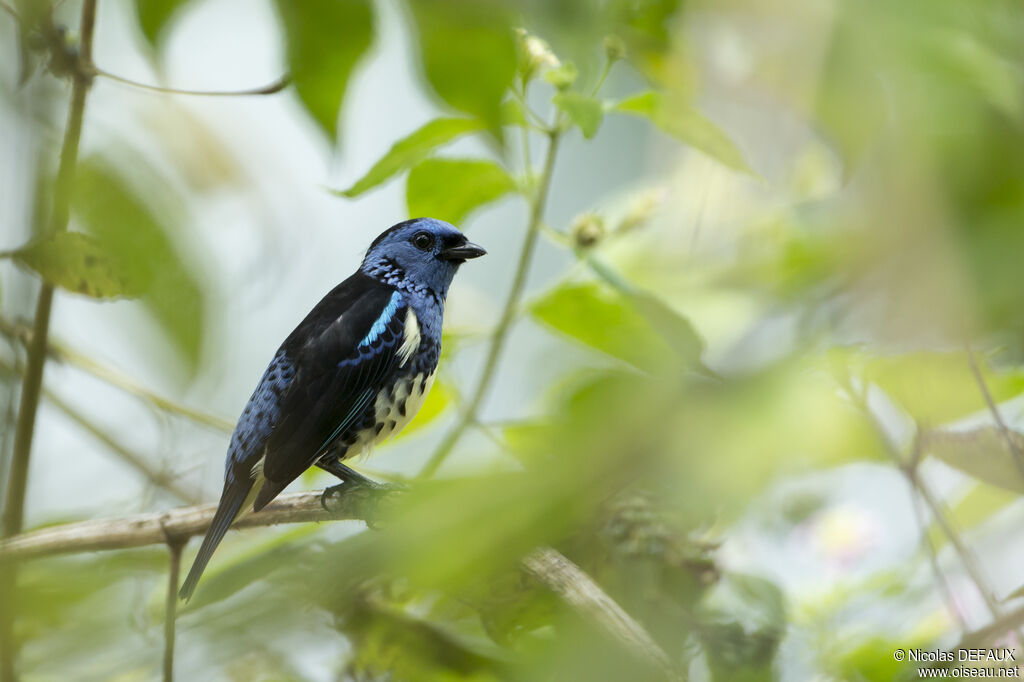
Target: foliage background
<point>822,199</point>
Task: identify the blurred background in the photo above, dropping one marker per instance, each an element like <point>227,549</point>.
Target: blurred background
<point>761,380</point>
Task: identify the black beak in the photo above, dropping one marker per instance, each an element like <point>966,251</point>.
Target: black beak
<point>463,252</point>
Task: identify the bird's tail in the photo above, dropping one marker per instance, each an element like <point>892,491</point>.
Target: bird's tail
<point>232,502</point>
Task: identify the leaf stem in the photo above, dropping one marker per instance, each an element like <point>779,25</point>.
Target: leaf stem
<point>271,89</point>
<point>508,314</point>
<point>604,75</point>
<point>14,503</point>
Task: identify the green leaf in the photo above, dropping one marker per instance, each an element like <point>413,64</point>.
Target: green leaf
<point>612,323</point>
<point>686,124</point>
<point>412,149</point>
<point>154,16</point>
<point>324,39</point>
<point>137,239</point>
<point>449,189</point>
<point>585,112</point>
<point>936,388</point>
<point>78,263</point>
<point>982,453</point>
<point>468,54</point>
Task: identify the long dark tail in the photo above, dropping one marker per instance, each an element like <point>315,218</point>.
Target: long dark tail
<point>231,501</point>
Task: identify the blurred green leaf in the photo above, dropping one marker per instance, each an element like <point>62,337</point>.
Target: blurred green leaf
<point>395,643</point>
<point>154,16</point>
<point>324,39</point>
<point>512,113</point>
<point>686,124</point>
<point>744,620</point>
<point>982,453</point>
<point>612,323</point>
<point>231,574</point>
<point>78,263</point>
<point>412,149</point>
<point>936,387</point>
<point>138,240</point>
<point>586,112</point>
<point>468,54</point>
<point>647,27</point>
<point>873,660</point>
<point>450,189</point>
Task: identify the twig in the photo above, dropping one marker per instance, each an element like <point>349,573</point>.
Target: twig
<point>909,469</point>
<point>10,10</point>
<point>158,478</point>
<point>116,378</point>
<point>271,89</point>
<point>546,565</point>
<point>14,504</point>
<point>993,631</point>
<point>578,590</point>
<point>1018,456</point>
<point>171,608</point>
<point>468,415</point>
<point>941,580</point>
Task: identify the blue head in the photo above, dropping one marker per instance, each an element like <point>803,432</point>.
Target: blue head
<point>418,254</point>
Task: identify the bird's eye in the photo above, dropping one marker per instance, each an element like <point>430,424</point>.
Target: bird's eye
<point>422,241</point>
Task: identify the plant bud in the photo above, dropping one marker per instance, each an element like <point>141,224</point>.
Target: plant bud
<point>614,48</point>
<point>563,76</point>
<point>587,230</point>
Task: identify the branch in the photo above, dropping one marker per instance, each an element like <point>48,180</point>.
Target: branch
<point>180,524</point>
<point>63,353</point>
<point>271,89</point>
<point>1011,443</point>
<point>14,503</point>
<point>507,315</point>
<point>909,469</point>
<point>579,591</point>
<point>359,503</point>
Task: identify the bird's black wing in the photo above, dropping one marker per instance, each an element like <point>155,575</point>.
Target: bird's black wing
<point>340,367</point>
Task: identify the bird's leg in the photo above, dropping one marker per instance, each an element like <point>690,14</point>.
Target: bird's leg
<point>345,474</point>
<point>350,480</point>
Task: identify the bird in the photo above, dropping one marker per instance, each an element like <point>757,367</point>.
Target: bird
<point>352,373</point>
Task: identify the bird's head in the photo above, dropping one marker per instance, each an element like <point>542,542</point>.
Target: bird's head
<point>423,252</point>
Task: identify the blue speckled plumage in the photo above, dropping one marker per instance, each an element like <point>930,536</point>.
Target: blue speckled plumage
<point>354,371</point>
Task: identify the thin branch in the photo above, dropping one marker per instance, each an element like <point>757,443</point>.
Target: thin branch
<point>160,479</point>
<point>578,590</point>
<point>116,378</point>
<point>909,469</point>
<point>10,10</point>
<point>171,608</point>
<point>271,89</point>
<point>1018,456</point>
<point>995,630</point>
<point>176,526</point>
<point>941,581</point>
<point>508,314</point>
<point>14,503</point>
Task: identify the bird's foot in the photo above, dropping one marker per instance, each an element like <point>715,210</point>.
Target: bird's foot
<point>361,495</point>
